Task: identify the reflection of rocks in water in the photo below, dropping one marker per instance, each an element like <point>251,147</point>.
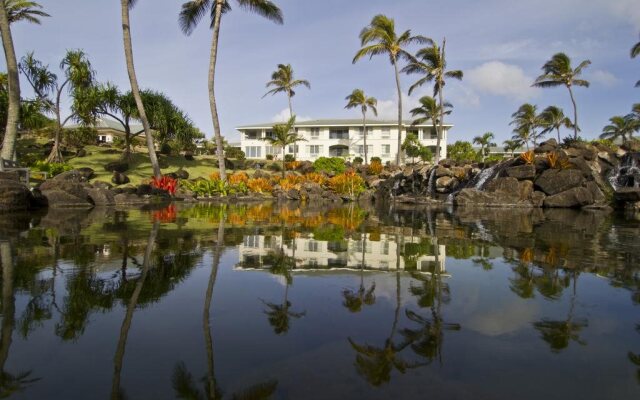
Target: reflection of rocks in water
<point>15,223</point>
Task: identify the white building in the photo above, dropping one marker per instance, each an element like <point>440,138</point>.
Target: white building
<point>340,138</point>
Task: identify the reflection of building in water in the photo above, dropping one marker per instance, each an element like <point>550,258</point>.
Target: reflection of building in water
<point>416,253</point>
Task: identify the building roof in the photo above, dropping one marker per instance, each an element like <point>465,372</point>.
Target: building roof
<point>107,123</point>
<point>500,149</point>
<point>336,122</point>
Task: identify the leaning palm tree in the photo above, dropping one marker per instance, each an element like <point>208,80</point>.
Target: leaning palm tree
<point>526,121</point>
<point>380,37</point>
<point>485,142</point>
<point>635,51</point>
<point>553,118</point>
<point>620,127</point>
<point>24,10</point>
<point>558,72</point>
<point>14,11</point>
<point>135,89</point>
<point>191,14</point>
<point>357,98</point>
<point>282,81</point>
<point>283,136</point>
<point>431,62</point>
<point>512,145</point>
<point>431,111</point>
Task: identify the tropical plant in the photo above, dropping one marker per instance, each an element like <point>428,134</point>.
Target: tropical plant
<point>375,168</point>
<point>329,165</point>
<point>557,161</point>
<point>620,127</point>
<point>431,62</point>
<point>635,51</point>
<point>348,183</point>
<point>12,11</point>
<point>78,81</point>
<point>356,99</point>
<point>526,120</point>
<point>283,136</point>
<point>485,141</point>
<point>429,110</point>
<point>461,151</point>
<point>528,157</point>
<point>380,38</point>
<point>191,14</point>
<point>552,118</point>
<point>511,145</point>
<point>166,183</point>
<point>559,72</point>
<point>259,185</point>
<point>412,146</point>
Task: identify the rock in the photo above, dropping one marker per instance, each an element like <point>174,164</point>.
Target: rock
<point>574,197</point>
<point>541,164</point>
<point>76,175</point>
<point>188,156</point>
<point>596,193</point>
<point>81,153</point>
<point>101,197</point>
<point>261,174</point>
<point>181,174</point>
<point>520,172</point>
<point>101,185</point>
<point>10,175</point>
<point>37,199</point>
<point>446,184</point>
<point>442,171</point>
<point>119,178</point>
<point>546,147</point>
<point>117,166</point>
<point>144,189</point>
<point>537,199</point>
<point>59,198</point>
<point>407,172</point>
<point>506,191</point>
<point>14,196</point>
<point>71,187</point>
<point>375,183</point>
<point>609,157</point>
<point>631,145</point>
<point>126,198</point>
<point>627,195</point>
<point>554,181</point>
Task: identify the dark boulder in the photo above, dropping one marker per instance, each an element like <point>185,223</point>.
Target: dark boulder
<point>144,189</point>
<point>127,198</point>
<point>188,156</point>
<point>14,196</point>
<point>520,172</point>
<point>101,197</point>
<point>181,174</point>
<point>119,178</point>
<point>117,166</point>
<point>79,175</point>
<point>547,146</point>
<point>627,194</point>
<point>71,187</point>
<point>101,185</point>
<point>574,197</point>
<point>554,181</point>
<point>60,198</point>
<point>501,192</point>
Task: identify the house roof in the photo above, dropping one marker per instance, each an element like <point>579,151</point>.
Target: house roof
<point>107,123</point>
<point>336,122</point>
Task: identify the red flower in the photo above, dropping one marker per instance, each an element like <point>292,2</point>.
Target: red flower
<point>165,183</point>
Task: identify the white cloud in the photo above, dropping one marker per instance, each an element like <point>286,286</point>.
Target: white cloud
<point>463,96</point>
<point>388,109</point>
<point>284,115</point>
<point>603,78</point>
<point>626,9</point>
<point>502,79</point>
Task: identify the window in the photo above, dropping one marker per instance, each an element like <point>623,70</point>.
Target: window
<point>312,246</point>
<point>386,150</point>
<point>359,245</point>
<point>315,133</point>
<point>293,149</point>
<point>271,150</point>
<point>429,134</point>
<point>386,133</point>
<point>339,133</point>
<point>252,241</point>
<point>253,151</point>
<point>361,131</point>
<point>360,149</point>
<point>314,150</point>
<point>413,132</point>
<point>251,135</point>
<point>385,248</point>
<point>268,134</point>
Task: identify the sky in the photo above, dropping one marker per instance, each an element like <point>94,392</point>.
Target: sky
<point>500,45</point>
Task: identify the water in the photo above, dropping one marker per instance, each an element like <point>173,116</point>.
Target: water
<point>431,183</point>
<point>627,174</point>
<point>341,303</point>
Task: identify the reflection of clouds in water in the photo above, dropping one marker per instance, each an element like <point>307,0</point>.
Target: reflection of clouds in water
<point>509,318</point>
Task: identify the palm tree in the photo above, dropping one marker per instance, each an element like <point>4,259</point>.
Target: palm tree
<point>557,72</point>
<point>190,15</point>
<point>429,110</point>
<point>357,98</point>
<point>552,118</point>
<point>10,12</point>
<point>24,10</point>
<point>431,62</point>
<point>282,81</point>
<point>283,136</point>
<point>512,145</point>
<point>620,127</point>
<point>635,51</point>
<point>526,120</point>
<point>354,300</point>
<point>485,142</point>
<point>380,37</point>
<point>135,89</point>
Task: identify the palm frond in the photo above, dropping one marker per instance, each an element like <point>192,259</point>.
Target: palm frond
<point>264,8</point>
<point>191,14</point>
<point>635,50</point>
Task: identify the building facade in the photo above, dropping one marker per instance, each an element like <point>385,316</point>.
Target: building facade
<point>339,138</point>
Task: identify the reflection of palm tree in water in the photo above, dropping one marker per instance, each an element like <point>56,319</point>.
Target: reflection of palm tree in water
<point>9,383</point>
<point>183,382</point>
<point>558,334</point>
<point>116,390</point>
<point>635,358</point>
<point>354,300</point>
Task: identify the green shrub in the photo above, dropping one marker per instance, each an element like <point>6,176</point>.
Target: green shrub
<point>165,149</point>
<point>52,169</point>
<point>270,157</point>
<point>275,167</point>
<point>235,153</point>
<point>374,159</point>
<point>358,160</point>
<point>329,165</point>
<point>289,158</point>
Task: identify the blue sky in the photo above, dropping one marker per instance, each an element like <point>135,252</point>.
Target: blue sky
<point>499,44</point>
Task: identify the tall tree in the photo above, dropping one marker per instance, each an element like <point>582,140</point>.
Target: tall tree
<point>511,145</point>
<point>191,14</point>
<point>283,136</point>
<point>485,142</point>
<point>559,72</point>
<point>430,110</point>
<point>356,99</point>
<point>635,51</point>
<point>14,11</point>
<point>431,62</point>
<point>526,121</point>
<point>128,52</point>
<point>380,38</point>
<point>78,81</point>
<point>552,118</point>
<point>620,127</point>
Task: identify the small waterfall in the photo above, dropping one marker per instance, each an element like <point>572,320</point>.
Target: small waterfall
<point>431,183</point>
<point>484,176</point>
<point>628,173</point>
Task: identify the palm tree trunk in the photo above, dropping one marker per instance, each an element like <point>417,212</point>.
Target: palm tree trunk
<point>364,133</point>
<point>128,51</point>
<point>212,97</point>
<point>558,129</point>
<point>56,154</point>
<point>131,307</point>
<point>441,96</point>
<point>284,165</point>
<point>8,302</point>
<point>395,67</point>
<point>293,127</point>
<point>13,78</point>
<point>575,114</point>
